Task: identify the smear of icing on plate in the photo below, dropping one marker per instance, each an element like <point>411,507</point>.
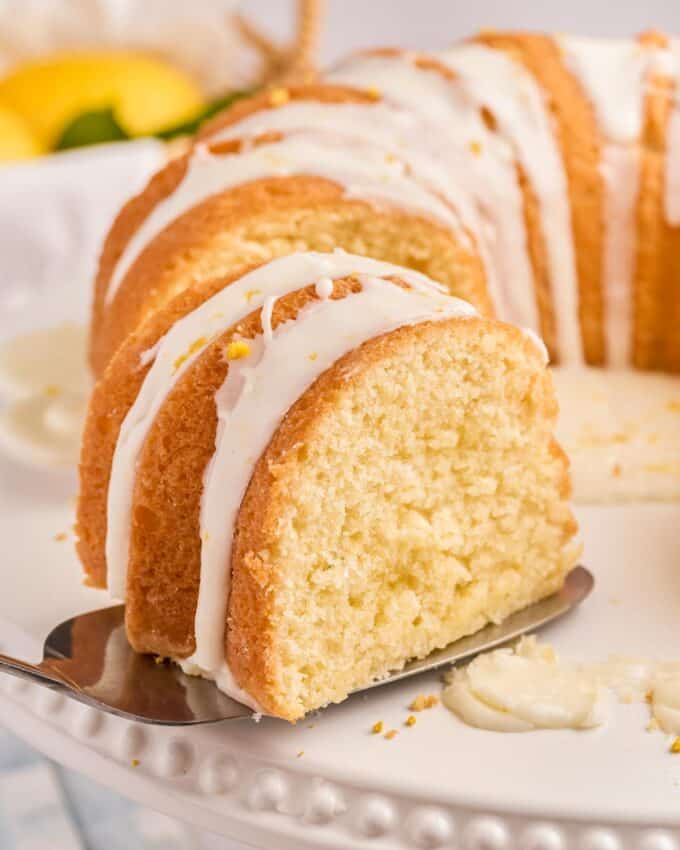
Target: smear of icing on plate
<point>529,687</point>
<point>44,377</point>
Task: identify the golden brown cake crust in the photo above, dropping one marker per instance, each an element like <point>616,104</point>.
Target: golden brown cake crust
<point>539,263</point>
<point>304,213</point>
<point>162,184</point>
<point>656,291</point>
<point>579,140</point>
<point>173,258</point>
<point>127,222</point>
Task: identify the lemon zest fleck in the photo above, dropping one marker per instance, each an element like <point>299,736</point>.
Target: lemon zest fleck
<point>279,97</point>
<point>195,346</point>
<point>237,350</point>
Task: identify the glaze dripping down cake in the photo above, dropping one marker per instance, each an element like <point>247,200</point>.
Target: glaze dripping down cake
<point>304,462</point>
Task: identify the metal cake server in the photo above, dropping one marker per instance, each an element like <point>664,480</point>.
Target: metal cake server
<point>89,659</point>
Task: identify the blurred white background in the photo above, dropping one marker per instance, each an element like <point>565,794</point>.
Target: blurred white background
<point>352,24</point>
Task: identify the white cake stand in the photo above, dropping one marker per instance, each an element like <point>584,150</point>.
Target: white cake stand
<point>328,782</point>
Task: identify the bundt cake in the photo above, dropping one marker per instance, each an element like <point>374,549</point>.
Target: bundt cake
<point>535,176</point>
<point>305,463</point>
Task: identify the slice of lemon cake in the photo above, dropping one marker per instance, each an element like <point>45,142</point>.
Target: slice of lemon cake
<point>301,476</point>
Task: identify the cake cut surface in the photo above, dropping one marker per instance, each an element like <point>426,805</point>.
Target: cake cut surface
<point>409,498</point>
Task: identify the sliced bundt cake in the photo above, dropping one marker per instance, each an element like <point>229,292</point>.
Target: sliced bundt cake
<point>239,199</point>
<point>303,466</point>
<point>535,176</point>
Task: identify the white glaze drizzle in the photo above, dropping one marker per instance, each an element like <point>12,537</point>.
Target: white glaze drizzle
<point>492,79</point>
<point>400,132</point>
<point>324,288</point>
<point>529,687</point>
<point>489,176</point>
<point>673,169</point>
<point>266,316</point>
<point>362,170</point>
<point>524,688</point>
<point>206,322</point>
<point>620,168</point>
<point>613,74</point>
<point>672,181</point>
<point>256,395</point>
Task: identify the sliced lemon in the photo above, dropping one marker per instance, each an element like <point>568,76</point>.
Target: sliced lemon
<point>145,93</point>
<point>16,138</point>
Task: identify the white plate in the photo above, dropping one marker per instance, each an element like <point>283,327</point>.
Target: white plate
<point>437,783</point>
<point>599,789</point>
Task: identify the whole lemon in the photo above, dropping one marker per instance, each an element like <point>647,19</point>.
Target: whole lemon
<point>16,139</point>
<point>146,94</point>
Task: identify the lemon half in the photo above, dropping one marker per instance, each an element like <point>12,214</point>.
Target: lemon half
<point>17,141</point>
<point>145,93</point>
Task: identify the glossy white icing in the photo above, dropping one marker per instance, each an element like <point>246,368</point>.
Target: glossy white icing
<point>363,170</point>
<point>620,168</point>
<point>255,397</point>
<point>324,287</point>
<point>178,350</point>
<point>673,169</point>
<point>479,163</point>
<point>529,687</point>
<point>672,182</point>
<point>399,131</point>
<point>493,80</point>
<point>422,90</point>
<point>521,689</point>
<point>613,75</point>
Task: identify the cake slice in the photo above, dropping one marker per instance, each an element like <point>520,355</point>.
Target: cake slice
<point>326,467</point>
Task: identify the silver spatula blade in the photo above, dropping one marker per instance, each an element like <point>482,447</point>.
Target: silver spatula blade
<point>88,657</point>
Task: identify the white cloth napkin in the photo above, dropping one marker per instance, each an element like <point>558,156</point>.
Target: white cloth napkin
<point>54,214</point>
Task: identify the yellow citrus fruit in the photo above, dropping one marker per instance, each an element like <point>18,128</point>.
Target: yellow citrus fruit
<point>16,139</point>
<point>146,94</point>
